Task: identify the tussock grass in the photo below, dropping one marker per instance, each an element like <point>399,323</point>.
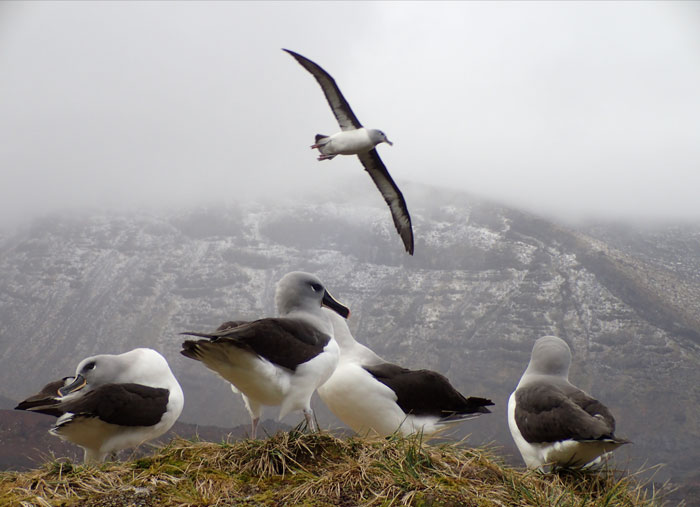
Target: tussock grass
<point>295,468</point>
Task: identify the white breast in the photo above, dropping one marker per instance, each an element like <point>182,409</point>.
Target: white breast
<point>348,142</point>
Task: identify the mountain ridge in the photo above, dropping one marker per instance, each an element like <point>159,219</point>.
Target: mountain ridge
<point>485,282</point>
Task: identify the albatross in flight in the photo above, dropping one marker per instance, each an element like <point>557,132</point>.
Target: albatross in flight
<point>554,422</point>
<point>354,139</point>
<point>276,361</point>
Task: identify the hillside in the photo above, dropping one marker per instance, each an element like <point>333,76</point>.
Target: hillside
<point>27,444</point>
<point>485,282</point>
<point>301,469</point>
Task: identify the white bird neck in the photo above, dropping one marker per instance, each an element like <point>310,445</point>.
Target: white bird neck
<point>313,316</point>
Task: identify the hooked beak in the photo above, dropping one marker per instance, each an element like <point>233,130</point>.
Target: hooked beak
<point>329,302</point>
<point>389,142</point>
<point>76,385</point>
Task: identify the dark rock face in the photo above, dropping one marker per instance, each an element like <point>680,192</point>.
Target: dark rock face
<point>484,284</point>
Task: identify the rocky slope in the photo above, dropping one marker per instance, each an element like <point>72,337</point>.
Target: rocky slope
<point>485,282</point>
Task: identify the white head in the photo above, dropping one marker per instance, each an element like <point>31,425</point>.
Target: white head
<point>299,291</point>
<point>139,366</point>
<point>550,356</point>
<point>377,136</point>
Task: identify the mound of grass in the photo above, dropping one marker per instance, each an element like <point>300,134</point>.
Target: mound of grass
<point>295,468</point>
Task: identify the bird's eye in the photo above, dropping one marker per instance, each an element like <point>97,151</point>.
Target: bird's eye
<point>89,366</point>
<point>316,287</point>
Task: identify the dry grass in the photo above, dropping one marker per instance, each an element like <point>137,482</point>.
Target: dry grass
<point>314,469</point>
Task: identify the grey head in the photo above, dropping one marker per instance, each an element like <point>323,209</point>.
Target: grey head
<point>377,137</point>
<point>299,291</point>
<point>551,356</point>
<point>139,366</point>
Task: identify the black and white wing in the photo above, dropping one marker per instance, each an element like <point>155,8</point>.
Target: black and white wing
<point>392,195</point>
<point>285,342</point>
<point>340,107</point>
<point>121,404</point>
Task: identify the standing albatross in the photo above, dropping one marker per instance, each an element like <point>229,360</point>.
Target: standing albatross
<point>276,361</point>
<point>554,422</point>
<point>354,139</point>
<point>375,397</point>
<point>113,402</point>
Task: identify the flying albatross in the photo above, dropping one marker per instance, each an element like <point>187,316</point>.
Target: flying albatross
<point>554,422</point>
<point>354,139</point>
<point>113,402</point>
<point>276,361</point>
<point>374,397</point>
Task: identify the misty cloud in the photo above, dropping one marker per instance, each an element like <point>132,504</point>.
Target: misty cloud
<point>578,109</point>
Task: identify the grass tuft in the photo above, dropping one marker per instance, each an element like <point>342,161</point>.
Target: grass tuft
<point>315,469</point>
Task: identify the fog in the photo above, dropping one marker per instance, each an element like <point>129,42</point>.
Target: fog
<point>575,109</point>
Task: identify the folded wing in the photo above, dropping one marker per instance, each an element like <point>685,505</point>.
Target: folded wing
<point>546,413</point>
<point>284,342</point>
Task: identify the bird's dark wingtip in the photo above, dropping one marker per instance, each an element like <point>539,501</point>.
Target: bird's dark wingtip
<point>293,53</point>
<point>408,240</point>
<point>190,349</point>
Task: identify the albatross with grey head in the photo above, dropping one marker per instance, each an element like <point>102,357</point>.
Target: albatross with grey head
<point>375,397</point>
<point>554,422</point>
<point>276,361</point>
<point>354,139</point>
<point>113,402</point>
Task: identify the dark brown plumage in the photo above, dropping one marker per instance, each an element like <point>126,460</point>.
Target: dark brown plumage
<point>284,342</point>
<point>425,392</point>
<point>121,404</point>
<point>45,401</point>
<point>552,413</point>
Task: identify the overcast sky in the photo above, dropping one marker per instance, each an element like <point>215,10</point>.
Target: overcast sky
<point>582,109</point>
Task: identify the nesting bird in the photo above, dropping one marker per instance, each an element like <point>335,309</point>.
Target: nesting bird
<point>276,361</point>
<point>113,402</point>
<point>374,397</point>
<point>354,139</point>
<point>554,422</point>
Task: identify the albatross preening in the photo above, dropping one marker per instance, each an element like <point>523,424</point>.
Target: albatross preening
<point>354,139</point>
<point>113,402</point>
<point>276,361</point>
<point>554,422</point>
<point>379,398</point>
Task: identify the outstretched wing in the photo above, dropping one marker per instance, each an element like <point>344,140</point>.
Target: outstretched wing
<point>392,195</point>
<point>340,107</point>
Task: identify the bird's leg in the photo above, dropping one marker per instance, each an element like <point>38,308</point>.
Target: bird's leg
<point>325,157</point>
<point>254,424</point>
<point>309,415</point>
